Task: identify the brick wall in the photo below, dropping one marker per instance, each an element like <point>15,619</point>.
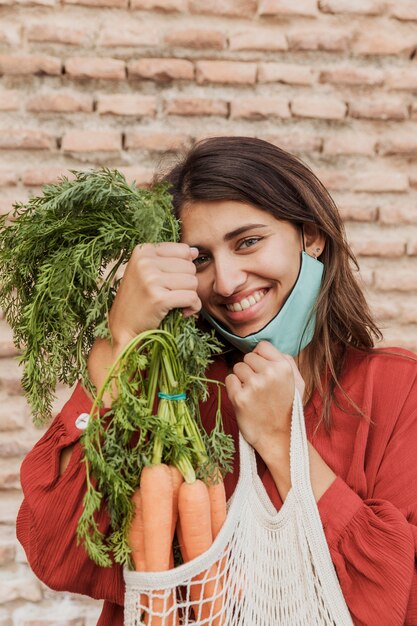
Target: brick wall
<point>121,82</point>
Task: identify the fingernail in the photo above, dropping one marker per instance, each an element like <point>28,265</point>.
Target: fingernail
<point>194,250</point>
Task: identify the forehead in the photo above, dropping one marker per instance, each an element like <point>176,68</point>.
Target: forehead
<point>217,219</point>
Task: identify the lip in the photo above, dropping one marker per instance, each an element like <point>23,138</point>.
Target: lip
<point>247,314</point>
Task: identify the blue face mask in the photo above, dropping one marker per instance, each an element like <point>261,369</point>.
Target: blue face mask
<point>292,329</point>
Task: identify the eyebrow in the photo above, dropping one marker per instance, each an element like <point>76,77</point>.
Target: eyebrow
<point>235,233</point>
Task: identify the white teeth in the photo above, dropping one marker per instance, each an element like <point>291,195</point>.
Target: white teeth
<point>246,302</point>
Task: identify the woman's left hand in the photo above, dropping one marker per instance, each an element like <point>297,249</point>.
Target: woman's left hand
<point>261,390</point>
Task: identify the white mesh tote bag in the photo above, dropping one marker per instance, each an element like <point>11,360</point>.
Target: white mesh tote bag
<point>265,568</point>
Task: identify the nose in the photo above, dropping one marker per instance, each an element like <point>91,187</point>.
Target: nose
<point>229,277</point>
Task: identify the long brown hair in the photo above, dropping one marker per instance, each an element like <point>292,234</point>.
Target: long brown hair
<point>256,172</point>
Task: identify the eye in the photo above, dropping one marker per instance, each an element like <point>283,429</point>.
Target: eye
<point>201,260</point>
<point>249,242</point>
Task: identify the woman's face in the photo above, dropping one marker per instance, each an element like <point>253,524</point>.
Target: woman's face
<point>247,265</point>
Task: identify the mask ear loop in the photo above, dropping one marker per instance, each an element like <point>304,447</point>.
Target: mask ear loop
<point>302,238</point>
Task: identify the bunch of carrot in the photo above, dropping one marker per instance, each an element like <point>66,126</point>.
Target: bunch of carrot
<point>164,504</point>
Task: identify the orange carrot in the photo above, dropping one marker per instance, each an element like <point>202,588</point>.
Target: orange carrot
<point>218,510</point>
<point>157,510</point>
<point>195,522</point>
<point>136,540</point>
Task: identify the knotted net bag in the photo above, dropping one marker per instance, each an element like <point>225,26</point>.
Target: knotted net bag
<point>265,568</point>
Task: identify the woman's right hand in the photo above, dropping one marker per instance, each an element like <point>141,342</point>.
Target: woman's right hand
<point>156,279</point>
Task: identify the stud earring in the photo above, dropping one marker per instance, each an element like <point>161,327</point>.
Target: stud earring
<point>316,253</point>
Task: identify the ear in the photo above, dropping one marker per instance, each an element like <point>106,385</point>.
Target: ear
<point>314,240</point>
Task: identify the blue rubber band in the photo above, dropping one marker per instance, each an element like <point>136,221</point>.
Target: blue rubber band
<point>169,396</point>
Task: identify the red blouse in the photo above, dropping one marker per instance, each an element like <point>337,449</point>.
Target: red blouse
<point>369,513</point>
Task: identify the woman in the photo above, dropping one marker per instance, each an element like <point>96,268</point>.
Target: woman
<point>264,259</point>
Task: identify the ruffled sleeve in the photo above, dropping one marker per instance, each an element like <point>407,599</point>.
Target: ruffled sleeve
<point>47,520</point>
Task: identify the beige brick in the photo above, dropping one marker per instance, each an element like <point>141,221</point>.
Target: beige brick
<point>14,412</point>
<point>376,245</point>
<point>412,249</point>
<point>60,102</point>
<point>401,78</point>
<point>325,39</point>
<point>342,75</point>
<point>349,142</point>
<point>91,141</point>
<point>10,376</point>
<point>257,39</point>
<point>8,178</point>
<point>55,621</point>
<point>278,8</point>
<point>398,214</point>
<point>403,336</point>
<point>408,314</point>
<point>380,181</point>
<point>10,100</point>
<point>196,38</point>
<point>10,504</point>
<point>142,176</point>
<point>230,8</point>
<point>128,35</point>
<point>58,32</point>
<point>10,34</point>
<point>362,7</point>
<point>127,104</point>
<point>5,618</point>
<point>385,310</point>
<point>226,72</point>
<point>26,139</point>
<point>322,107</point>
<point>7,554</point>
<point>366,277</point>
<point>36,177</point>
<point>155,141</point>
<point>95,67</point>
<point>259,107</point>
<point>404,10</point>
<point>165,6</point>
<point>7,347</point>
<point>116,4</point>
<point>286,73</point>
<point>293,142</point>
<point>387,279</point>
<point>33,64</point>
<point>195,106</point>
<point>9,477</point>
<point>402,144</point>
<point>357,212</point>
<point>413,110</point>
<point>413,179</point>
<point>383,108</point>
<point>384,43</point>
<point>20,588</point>
<point>161,70</point>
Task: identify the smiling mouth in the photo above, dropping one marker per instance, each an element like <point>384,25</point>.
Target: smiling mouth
<point>247,302</point>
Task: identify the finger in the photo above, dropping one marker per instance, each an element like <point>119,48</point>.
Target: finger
<point>174,282</point>
<point>298,379</point>
<point>233,387</point>
<point>182,299</point>
<point>180,250</point>
<point>268,351</point>
<point>257,362</point>
<point>243,371</point>
<point>174,265</point>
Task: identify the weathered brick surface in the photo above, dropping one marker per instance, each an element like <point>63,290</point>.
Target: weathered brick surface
<point>120,82</point>
<point>232,72</point>
<point>278,8</point>
<point>33,64</point>
<point>127,104</point>
<point>161,70</point>
<point>100,68</point>
<point>60,102</point>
